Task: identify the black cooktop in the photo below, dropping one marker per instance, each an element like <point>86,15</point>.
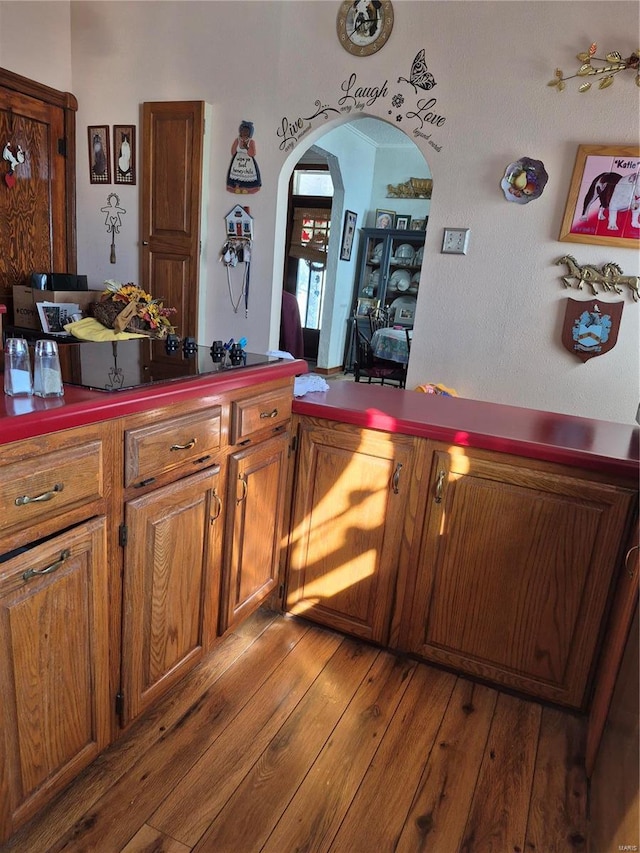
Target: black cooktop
<point>140,362</point>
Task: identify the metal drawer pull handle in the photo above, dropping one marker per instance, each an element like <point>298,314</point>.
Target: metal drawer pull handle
<point>144,483</point>
<point>396,478</point>
<point>186,446</point>
<point>52,568</point>
<point>630,569</point>
<point>439,487</point>
<point>218,504</point>
<point>271,414</point>
<point>45,496</point>
<point>242,479</point>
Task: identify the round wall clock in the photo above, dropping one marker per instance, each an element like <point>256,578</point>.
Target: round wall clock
<point>364,26</point>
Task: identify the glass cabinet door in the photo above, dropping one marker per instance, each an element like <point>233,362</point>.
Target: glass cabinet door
<point>403,276</point>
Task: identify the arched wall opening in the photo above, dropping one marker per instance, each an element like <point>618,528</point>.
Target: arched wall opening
<point>365,155</point>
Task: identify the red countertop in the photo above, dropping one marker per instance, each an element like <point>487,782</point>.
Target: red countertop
<point>597,445</point>
<point>26,417</point>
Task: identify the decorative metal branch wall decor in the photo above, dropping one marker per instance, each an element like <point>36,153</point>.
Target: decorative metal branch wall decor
<point>605,279</point>
<point>611,65</point>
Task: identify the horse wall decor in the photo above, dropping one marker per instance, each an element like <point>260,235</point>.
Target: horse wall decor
<point>607,278</point>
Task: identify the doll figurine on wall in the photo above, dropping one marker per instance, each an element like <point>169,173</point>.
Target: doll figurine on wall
<point>244,175</point>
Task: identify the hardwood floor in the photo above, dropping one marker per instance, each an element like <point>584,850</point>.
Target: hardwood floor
<point>294,738</point>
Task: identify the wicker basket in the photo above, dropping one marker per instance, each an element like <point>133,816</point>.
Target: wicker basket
<point>108,311</point>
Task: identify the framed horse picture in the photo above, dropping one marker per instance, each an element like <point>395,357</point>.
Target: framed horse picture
<point>603,205</point>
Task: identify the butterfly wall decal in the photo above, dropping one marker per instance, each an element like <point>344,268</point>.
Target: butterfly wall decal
<point>420,76</point>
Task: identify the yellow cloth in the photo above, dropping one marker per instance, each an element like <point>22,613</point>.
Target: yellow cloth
<point>90,329</point>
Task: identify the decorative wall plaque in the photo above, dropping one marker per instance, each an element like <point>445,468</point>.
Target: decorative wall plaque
<point>591,328</point>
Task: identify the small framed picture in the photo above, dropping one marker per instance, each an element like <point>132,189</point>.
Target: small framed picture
<point>124,154</point>
<point>403,223</point>
<point>385,218</point>
<point>405,315</point>
<point>418,225</point>
<point>99,156</point>
<point>366,307</point>
<point>348,233</point>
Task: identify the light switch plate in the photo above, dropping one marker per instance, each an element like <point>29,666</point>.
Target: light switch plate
<point>455,241</point>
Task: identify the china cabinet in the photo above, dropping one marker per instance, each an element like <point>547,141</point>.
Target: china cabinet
<point>388,275</point>
<point>389,267</point>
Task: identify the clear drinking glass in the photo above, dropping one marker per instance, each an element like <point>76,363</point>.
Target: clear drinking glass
<point>17,368</point>
<point>47,377</point>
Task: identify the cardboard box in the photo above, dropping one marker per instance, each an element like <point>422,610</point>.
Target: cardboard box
<point>25,313</point>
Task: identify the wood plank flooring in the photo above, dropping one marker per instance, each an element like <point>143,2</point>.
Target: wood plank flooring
<point>294,738</point>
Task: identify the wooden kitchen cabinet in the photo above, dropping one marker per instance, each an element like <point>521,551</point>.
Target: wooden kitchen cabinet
<point>172,541</point>
<point>254,516</point>
<point>56,708</point>
<point>53,482</point>
<point>123,522</point>
<point>353,516</point>
<point>515,570</point>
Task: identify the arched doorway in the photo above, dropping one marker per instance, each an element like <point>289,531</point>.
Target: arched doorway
<point>364,155</point>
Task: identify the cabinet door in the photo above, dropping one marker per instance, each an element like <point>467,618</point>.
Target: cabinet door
<point>515,571</point>
<point>350,522</point>
<point>257,487</point>
<point>56,711</point>
<point>402,276</point>
<point>171,585</point>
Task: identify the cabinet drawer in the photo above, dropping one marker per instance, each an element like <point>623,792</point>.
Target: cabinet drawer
<point>261,413</point>
<point>154,449</point>
<point>41,487</point>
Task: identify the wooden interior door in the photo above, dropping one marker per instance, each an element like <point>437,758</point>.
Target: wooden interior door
<point>37,202</point>
<point>172,150</point>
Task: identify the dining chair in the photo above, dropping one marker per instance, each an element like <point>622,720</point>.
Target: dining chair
<point>378,319</point>
<point>373,369</point>
<point>409,334</point>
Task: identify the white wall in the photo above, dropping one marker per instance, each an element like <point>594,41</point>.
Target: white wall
<point>488,323</point>
<point>35,41</point>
